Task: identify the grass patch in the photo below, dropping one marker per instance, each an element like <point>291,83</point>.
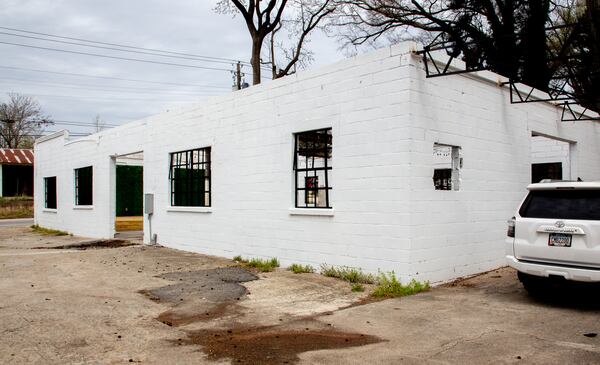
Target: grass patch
<point>47,231</point>
<point>16,213</point>
<point>7,201</point>
<point>389,287</point>
<point>301,269</point>
<point>264,265</point>
<point>348,274</point>
<point>16,207</point>
<point>357,287</point>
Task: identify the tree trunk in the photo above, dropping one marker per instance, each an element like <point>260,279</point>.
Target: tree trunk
<point>255,60</point>
<point>534,46</point>
<point>593,15</point>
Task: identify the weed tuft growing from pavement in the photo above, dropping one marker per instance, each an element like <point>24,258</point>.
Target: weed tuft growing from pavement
<point>301,269</point>
<point>47,231</point>
<point>357,287</point>
<point>263,265</point>
<point>389,287</point>
<point>349,274</point>
<point>239,259</point>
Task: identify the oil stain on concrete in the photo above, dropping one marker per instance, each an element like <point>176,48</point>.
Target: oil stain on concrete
<point>200,296</point>
<point>274,344</point>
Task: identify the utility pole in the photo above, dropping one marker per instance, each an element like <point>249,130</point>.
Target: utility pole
<point>238,76</point>
<point>238,81</point>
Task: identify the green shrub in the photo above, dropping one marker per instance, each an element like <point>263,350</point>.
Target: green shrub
<point>357,287</point>
<point>263,265</point>
<point>48,231</point>
<point>300,269</point>
<point>348,274</point>
<point>389,287</point>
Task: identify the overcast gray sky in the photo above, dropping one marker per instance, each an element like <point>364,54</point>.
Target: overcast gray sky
<point>186,26</point>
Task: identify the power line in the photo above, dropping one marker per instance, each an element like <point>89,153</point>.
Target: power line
<point>116,57</point>
<point>109,88</point>
<point>103,98</point>
<point>82,124</point>
<point>115,49</point>
<point>112,78</point>
<point>166,53</point>
<point>124,46</point>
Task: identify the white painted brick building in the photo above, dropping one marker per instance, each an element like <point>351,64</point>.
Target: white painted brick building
<point>385,117</point>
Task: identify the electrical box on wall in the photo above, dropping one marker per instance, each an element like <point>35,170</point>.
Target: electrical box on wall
<point>148,203</point>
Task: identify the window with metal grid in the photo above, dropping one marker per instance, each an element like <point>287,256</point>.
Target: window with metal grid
<point>189,178</point>
<point>50,192</point>
<point>312,163</point>
<point>84,186</point>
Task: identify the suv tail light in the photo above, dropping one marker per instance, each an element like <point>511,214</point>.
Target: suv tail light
<point>510,232</point>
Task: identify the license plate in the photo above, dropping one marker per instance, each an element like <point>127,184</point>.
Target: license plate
<point>559,240</point>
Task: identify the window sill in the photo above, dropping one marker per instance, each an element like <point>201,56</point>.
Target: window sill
<point>49,210</point>
<point>326,212</point>
<point>83,207</point>
<point>190,209</point>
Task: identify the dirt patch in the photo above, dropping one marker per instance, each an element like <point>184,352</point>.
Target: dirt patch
<point>96,244</point>
<point>272,345</point>
<point>181,317</point>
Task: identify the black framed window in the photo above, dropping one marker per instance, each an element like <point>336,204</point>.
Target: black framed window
<point>84,186</point>
<point>50,192</point>
<point>312,163</point>
<point>189,178</point>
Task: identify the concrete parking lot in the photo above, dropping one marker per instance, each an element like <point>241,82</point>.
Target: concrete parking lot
<point>74,300</point>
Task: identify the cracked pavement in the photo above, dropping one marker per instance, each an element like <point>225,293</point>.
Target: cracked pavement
<point>84,307</point>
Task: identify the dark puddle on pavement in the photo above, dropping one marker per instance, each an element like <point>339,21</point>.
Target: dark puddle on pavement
<point>212,294</point>
<point>96,244</point>
<point>272,345</point>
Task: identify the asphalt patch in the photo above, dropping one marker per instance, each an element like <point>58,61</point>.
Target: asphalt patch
<point>214,285</point>
<point>272,345</point>
<point>96,244</point>
<point>200,295</point>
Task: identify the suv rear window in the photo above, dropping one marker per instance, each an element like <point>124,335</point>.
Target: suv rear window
<point>562,204</point>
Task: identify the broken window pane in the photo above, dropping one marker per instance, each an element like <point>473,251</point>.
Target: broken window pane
<point>312,163</point>
<point>447,163</point>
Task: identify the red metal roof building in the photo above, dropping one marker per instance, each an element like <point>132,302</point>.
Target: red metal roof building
<point>16,172</point>
<point>16,156</point>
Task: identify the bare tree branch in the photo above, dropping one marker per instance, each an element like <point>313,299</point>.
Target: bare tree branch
<point>21,120</point>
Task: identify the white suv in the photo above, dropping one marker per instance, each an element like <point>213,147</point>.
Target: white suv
<point>556,233</point>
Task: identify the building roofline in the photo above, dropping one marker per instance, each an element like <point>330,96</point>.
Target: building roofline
<point>499,80</point>
<point>62,133</point>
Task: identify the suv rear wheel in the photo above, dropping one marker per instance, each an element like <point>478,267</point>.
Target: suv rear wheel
<point>535,285</point>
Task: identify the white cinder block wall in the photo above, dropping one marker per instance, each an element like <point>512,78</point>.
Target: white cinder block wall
<point>385,117</point>
<point>545,150</point>
<point>458,233</point>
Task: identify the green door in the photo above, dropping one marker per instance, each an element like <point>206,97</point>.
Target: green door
<point>130,185</point>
